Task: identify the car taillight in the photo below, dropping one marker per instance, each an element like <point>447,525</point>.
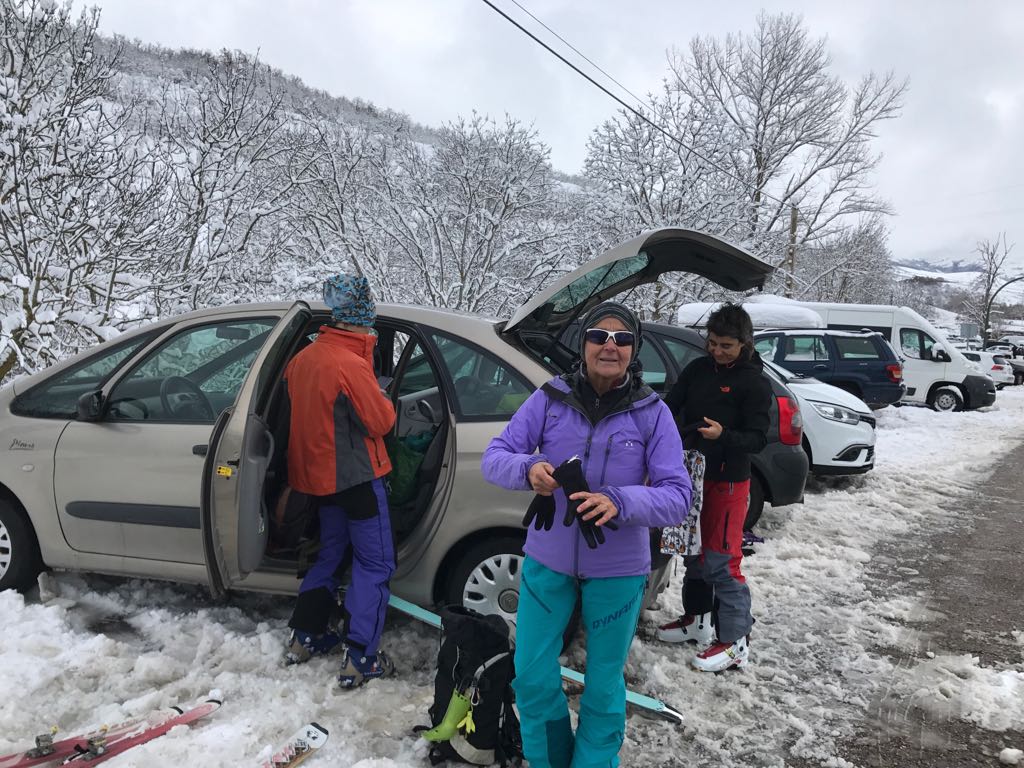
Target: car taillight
<point>791,423</point>
<point>997,367</point>
<point>895,372</point>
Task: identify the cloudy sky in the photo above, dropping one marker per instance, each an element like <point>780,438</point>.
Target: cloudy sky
<point>953,167</point>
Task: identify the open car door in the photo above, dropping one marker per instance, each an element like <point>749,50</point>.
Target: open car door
<point>233,515</point>
<point>636,262</point>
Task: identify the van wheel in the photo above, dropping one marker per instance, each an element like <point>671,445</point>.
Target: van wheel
<point>946,399</point>
<point>756,506</point>
<point>20,562</point>
<point>486,579</point>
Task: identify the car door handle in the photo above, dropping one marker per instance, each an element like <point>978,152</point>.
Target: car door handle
<point>200,450</point>
<point>821,367</point>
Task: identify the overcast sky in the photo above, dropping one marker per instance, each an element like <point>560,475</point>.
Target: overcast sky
<point>953,167</point>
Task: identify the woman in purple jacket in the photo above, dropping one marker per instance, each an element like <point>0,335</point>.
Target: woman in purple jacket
<point>593,544</point>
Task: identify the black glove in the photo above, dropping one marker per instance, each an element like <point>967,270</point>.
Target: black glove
<point>541,513</point>
<point>569,475</point>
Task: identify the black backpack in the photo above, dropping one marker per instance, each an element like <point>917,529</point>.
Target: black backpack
<point>472,719</point>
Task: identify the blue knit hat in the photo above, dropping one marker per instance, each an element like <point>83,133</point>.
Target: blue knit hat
<point>350,300</point>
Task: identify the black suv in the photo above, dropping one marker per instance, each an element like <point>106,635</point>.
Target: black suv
<point>860,362</point>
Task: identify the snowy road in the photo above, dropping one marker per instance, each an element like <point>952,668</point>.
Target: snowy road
<point>92,650</point>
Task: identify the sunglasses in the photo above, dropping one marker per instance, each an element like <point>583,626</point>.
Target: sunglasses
<point>601,336</point>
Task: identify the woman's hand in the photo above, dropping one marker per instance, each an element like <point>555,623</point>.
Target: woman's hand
<point>541,479</point>
<point>711,432</point>
<point>595,506</point>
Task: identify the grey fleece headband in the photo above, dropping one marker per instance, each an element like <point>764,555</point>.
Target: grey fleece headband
<point>620,312</point>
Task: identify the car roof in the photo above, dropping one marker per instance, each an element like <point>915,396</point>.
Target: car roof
<point>817,332</point>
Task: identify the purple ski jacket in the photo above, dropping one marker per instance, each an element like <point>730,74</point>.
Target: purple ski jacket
<point>633,455</point>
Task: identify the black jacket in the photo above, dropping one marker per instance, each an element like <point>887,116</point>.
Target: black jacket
<point>737,396</point>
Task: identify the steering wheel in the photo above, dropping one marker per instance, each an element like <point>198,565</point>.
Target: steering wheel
<point>182,398</point>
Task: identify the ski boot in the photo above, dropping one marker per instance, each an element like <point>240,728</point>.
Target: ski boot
<point>357,668</point>
<point>722,656</point>
<point>691,628</point>
<point>302,646</point>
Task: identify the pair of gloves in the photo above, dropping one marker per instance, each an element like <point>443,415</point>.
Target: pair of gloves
<point>541,512</point>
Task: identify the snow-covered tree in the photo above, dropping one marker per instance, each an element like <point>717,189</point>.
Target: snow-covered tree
<point>993,279</point>
<point>78,191</point>
<point>749,128</point>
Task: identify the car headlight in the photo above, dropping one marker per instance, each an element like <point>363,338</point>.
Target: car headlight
<point>837,413</point>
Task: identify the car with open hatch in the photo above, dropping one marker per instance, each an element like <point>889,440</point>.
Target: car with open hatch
<point>161,453</point>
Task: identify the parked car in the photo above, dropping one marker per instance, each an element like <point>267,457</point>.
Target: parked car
<point>779,472</point>
<point>839,429</point>
<point>993,365</point>
<point>158,454</point>
<point>859,362</point>
<point>935,373</point>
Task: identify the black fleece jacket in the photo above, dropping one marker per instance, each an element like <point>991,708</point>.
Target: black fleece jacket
<point>738,396</point>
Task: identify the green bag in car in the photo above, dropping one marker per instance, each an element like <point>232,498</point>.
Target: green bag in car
<point>405,465</point>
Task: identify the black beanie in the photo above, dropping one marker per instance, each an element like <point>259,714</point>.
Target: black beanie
<point>619,312</point>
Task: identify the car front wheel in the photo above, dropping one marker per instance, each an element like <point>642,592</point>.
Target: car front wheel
<point>19,552</point>
<point>947,399</point>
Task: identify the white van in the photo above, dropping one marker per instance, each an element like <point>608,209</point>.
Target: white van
<point>935,372</point>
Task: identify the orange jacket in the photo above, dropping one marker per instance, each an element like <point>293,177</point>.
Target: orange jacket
<point>339,416</point>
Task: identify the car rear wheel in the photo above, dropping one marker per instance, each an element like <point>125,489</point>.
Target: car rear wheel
<point>756,506</point>
<point>946,399</point>
<point>19,552</point>
<point>486,579</point>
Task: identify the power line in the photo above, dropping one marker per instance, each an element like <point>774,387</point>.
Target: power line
<point>626,106</point>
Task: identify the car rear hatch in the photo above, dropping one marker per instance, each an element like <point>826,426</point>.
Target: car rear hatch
<point>635,262</point>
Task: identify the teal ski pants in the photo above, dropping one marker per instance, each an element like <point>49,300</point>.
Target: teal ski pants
<point>611,607</point>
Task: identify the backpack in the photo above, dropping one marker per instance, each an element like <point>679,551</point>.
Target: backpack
<point>472,719</point>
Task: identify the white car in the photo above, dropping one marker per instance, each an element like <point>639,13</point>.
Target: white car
<point>839,428</point>
<point>994,365</point>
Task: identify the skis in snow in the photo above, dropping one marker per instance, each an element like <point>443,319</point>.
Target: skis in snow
<point>302,744</point>
<point>104,743</point>
<point>648,704</point>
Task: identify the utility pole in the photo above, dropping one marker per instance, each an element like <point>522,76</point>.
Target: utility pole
<point>791,252</point>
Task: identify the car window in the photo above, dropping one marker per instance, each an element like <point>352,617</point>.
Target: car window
<point>851,348</point>
<point>910,342</point>
<point>973,356</point>
<point>484,385</point>
<point>805,349</point>
<point>654,371</point>
<point>57,397</point>
<point>681,352</point>
<point>192,376</point>
<point>766,347</point>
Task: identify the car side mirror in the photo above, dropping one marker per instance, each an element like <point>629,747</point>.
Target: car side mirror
<point>940,356</point>
<point>90,406</point>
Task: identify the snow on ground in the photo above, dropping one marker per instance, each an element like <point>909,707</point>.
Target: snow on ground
<point>91,649</point>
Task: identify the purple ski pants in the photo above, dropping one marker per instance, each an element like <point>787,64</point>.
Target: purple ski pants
<point>358,518</point>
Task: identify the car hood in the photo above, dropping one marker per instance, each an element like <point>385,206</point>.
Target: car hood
<point>819,391</point>
<point>637,262</point>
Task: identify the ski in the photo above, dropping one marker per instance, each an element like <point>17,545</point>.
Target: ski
<point>648,704</point>
<point>47,750</point>
<point>101,750</point>
<point>302,744</point>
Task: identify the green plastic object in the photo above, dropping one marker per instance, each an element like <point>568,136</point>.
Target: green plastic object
<point>458,708</point>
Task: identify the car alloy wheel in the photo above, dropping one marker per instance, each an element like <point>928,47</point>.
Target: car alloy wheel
<point>5,550</point>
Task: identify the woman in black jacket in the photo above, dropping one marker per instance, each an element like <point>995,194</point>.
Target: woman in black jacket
<point>721,404</point>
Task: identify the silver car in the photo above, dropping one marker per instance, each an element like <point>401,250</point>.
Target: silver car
<point>161,454</point>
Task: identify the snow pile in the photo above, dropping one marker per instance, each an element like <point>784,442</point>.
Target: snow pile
<point>100,649</point>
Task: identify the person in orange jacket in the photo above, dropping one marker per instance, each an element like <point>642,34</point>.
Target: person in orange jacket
<point>339,417</point>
